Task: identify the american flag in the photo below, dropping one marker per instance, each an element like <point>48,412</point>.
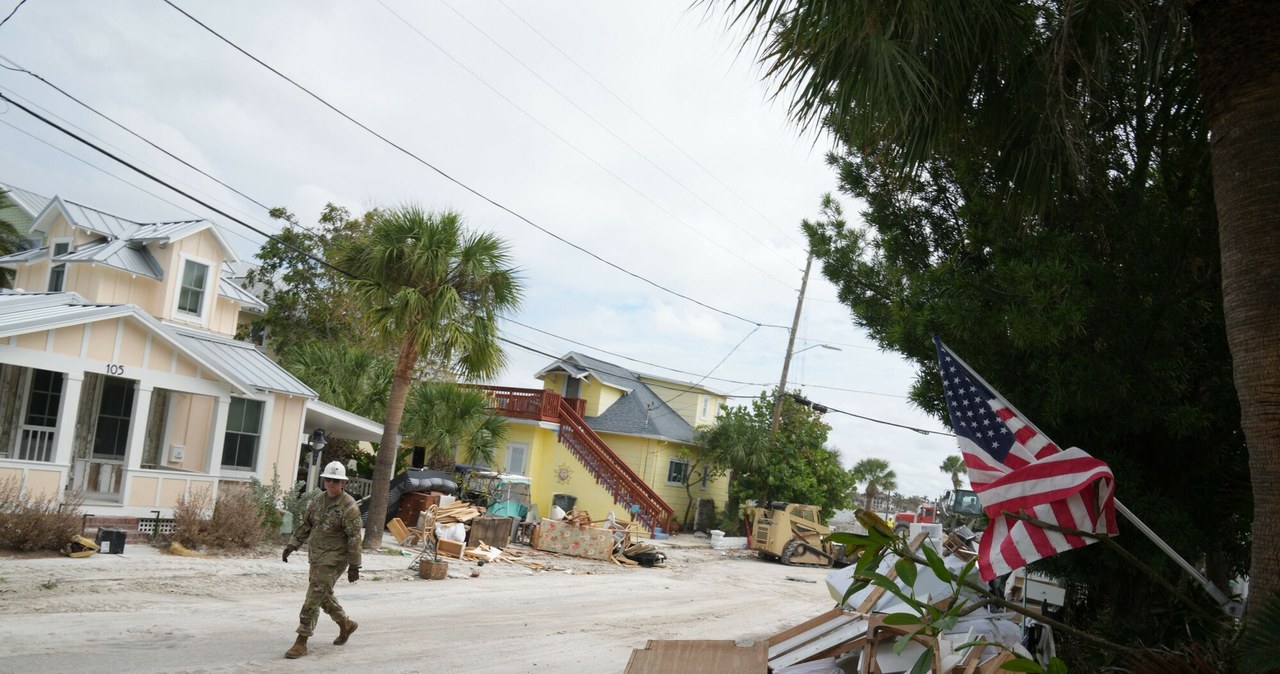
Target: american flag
<point>1017,469</point>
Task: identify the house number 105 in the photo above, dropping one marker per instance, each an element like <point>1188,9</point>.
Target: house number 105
<point>115,369</point>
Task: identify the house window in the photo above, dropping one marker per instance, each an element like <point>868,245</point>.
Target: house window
<point>244,424</point>
<point>58,271</point>
<point>111,437</point>
<point>676,471</point>
<point>706,405</point>
<point>516,454</point>
<point>191,292</point>
<point>42,404</point>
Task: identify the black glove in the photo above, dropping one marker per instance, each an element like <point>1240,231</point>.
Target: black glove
<point>288,550</point>
<point>353,573</point>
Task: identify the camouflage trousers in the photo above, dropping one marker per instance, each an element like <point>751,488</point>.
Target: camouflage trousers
<point>320,596</point>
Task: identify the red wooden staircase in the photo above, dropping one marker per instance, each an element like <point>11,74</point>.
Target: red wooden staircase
<point>605,466</point>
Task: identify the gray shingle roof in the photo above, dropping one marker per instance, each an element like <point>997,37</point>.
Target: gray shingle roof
<point>639,412</point>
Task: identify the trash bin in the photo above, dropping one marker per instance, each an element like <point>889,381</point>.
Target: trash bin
<point>110,541</point>
<point>565,501</point>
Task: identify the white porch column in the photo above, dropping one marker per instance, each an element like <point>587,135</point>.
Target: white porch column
<point>64,448</point>
<point>213,462</point>
<point>138,426</point>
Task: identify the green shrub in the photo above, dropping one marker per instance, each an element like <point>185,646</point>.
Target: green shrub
<point>35,522</point>
<point>269,498</point>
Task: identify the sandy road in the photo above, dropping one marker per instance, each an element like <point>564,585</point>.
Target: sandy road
<point>145,611</point>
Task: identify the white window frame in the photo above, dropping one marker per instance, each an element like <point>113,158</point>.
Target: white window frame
<point>524,461</point>
<point>258,445</point>
<point>706,406</point>
<point>53,248</point>
<point>206,292</point>
<point>671,464</point>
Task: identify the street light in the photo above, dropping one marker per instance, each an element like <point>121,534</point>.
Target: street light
<point>782,384</point>
<point>317,442</point>
<point>814,346</point>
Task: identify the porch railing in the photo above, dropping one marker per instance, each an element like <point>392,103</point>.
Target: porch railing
<point>539,405</point>
<point>36,444</point>
<point>100,477</point>
<point>359,487</point>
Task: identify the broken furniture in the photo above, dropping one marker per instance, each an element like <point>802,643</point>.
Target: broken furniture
<point>706,657</point>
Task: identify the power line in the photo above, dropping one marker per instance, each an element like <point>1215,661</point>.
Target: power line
<point>118,178</point>
<point>15,11</point>
<point>642,118</point>
<point>458,182</point>
<point>215,209</point>
<point>608,130</point>
<point>133,133</point>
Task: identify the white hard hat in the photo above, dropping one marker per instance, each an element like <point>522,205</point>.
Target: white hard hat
<point>334,471</point>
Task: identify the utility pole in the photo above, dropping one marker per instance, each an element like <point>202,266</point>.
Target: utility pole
<point>791,342</point>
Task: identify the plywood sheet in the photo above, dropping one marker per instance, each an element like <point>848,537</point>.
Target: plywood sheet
<point>706,657</point>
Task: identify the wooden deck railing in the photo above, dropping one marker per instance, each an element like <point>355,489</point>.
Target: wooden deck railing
<point>611,472</point>
<point>608,469</point>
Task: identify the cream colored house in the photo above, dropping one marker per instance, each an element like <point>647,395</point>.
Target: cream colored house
<point>120,380</point>
<point>612,439</point>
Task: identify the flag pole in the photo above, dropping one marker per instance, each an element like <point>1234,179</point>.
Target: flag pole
<point>1232,607</point>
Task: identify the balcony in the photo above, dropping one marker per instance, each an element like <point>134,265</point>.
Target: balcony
<point>528,403</point>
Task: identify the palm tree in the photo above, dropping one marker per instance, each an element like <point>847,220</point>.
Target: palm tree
<point>1018,83</point>
<point>954,465</point>
<point>450,420</point>
<point>435,291</point>
<point>876,475</point>
<point>349,376</point>
<point>10,239</point>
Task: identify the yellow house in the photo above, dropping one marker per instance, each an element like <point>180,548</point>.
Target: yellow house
<point>611,440</point>
<point>120,382</point>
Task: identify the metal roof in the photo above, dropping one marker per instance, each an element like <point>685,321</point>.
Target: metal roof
<point>83,217</point>
<point>240,364</point>
<point>245,360</point>
<point>23,257</point>
<point>119,254</point>
<point>30,202</point>
<point>232,291</point>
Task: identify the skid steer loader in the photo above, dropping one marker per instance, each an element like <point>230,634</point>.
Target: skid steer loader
<point>792,534</point>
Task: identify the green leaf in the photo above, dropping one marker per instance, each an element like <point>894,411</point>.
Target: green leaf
<point>849,540</point>
<point>1057,666</point>
<point>854,588</point>
<point>935,562</point>
<point>902,619</point>
<point>906,571</point>
<point>924,663</point>
<point>1022,665</point>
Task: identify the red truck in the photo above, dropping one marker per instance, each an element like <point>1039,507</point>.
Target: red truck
<point>955,508</point>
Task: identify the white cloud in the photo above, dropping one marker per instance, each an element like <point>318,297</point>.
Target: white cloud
<point>723,230</point>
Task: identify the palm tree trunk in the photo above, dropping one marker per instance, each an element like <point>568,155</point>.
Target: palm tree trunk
<point>389,446</point>
<point>1238,46</point>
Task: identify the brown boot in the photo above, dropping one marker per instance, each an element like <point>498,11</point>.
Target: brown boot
<point>299,648</point>
<point>344,631</point>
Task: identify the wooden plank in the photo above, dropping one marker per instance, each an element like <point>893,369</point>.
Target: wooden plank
<point>706,657</point>
<point>815,631</point>
<point>845,632</point>
<point>398,530</point>
<point>804,626</point>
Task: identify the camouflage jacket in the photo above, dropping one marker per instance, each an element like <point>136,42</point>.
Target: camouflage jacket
<point>333,525</point>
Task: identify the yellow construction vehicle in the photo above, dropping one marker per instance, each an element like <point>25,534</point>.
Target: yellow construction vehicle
<point>792,534</point>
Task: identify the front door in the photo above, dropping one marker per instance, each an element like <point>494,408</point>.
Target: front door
<point>100,473</point>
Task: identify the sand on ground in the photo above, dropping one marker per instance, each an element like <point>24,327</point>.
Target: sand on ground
<point>149,611</point>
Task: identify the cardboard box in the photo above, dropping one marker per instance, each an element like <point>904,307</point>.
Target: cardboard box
<point>448,548</point>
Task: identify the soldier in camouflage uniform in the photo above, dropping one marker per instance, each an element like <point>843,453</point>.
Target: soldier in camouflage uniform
<point>332,522</point>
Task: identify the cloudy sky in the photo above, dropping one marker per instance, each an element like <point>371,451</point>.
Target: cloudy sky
<point>629,152</point>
